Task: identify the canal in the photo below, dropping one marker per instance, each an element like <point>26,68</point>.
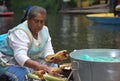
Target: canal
<point>72,31</point>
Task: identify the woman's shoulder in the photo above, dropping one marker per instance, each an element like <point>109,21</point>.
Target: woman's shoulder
<point>45,27</point>
<point>20,33</point>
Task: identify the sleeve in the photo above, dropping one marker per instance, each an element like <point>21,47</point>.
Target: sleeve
<point>48,48</point>
<point>19,42</point>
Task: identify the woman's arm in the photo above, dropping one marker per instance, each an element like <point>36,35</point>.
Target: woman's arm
<point>33,64</point>
<point>48,48</point>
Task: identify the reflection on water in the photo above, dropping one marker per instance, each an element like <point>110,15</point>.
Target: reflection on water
<point>5,24</point>
<point>69,32</point>
<point>103,36</point>
<point>76,32</point>
<point>73,31</point>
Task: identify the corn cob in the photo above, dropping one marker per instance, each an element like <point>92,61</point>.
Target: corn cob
<point>58,57</point>
<point>48,77</point>
<point>33,76</point>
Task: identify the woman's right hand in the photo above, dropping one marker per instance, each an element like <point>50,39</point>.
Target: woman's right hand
<point>52,71</point>
<point>47,69</point>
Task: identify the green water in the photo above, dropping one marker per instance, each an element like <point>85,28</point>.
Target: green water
<point>99,58</point>
<point>71,31</point>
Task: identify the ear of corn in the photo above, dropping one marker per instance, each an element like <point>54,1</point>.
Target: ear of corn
<point>33,76</point>
<point>48,77</point>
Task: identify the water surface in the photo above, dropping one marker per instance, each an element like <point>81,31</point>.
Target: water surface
<point>72,31</point>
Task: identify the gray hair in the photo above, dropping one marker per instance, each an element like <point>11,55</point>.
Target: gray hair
<point>35,10</point>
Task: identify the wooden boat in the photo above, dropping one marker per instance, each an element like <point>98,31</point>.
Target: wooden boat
<point>104,18</point>
<point>4,10</point>
<point>6,13</point>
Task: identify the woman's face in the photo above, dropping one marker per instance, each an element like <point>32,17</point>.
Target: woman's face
<point>35,24</point>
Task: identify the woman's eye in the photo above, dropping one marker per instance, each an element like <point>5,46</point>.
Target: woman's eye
<point>39,21</point>
<point>36,21</point>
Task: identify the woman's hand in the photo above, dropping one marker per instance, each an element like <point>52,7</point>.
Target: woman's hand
<point>47,69</point>
<point>53,71</point>
<point>37,66</point>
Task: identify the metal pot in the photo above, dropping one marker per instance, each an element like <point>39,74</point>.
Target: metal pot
<point>86,70</point>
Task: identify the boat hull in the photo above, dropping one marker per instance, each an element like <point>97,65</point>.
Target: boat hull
<point>104,18</point>
<point>6,13</point>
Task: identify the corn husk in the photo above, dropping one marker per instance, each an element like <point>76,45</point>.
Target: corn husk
<point>33,76</point>
<point>48,77</point>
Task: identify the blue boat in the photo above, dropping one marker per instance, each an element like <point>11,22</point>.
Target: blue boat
<point>104,18</point>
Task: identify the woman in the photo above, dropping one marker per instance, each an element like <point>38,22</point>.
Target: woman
<point>26,45</point>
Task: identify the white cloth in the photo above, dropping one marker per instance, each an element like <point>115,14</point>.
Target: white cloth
<point>19,42</point>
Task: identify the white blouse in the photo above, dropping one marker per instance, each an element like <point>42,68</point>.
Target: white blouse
<point>19,41</point>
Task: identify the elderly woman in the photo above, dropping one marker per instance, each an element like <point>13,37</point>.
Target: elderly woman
<point>25,46</point>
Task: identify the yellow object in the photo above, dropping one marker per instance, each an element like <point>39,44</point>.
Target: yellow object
<point>101,15</point>
<point>85,4</point>
<point>58,57</point>
<point>102,1</point>
<point>78,3</point>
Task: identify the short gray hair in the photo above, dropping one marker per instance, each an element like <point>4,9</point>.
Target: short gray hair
<point>35,10</point>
